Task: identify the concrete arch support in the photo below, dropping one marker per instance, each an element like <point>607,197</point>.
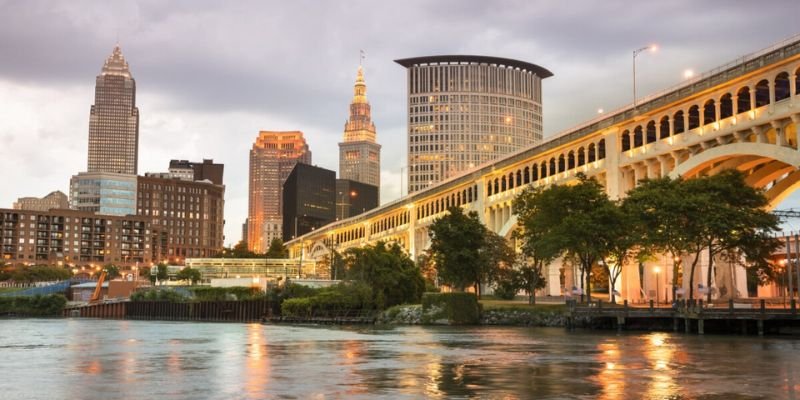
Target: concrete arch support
<point>695,163</point>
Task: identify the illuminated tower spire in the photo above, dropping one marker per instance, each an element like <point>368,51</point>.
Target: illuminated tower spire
<point>114,119</point>
<point>359,154</point>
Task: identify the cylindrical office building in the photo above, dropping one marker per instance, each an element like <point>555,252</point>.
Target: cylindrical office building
<point>466,110</point>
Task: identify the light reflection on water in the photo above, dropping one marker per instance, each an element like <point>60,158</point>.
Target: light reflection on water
<point>96,359</point>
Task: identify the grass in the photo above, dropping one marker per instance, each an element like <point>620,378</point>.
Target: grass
<point>489,304</point>
<point>11,289</point>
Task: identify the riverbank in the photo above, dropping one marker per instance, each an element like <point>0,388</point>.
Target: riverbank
<point>493,313</point>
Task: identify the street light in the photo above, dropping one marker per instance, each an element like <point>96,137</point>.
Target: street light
<point>657,270</point>
<point>636,52</point>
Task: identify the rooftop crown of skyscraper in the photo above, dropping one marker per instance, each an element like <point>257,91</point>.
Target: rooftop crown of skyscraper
<point>359,126</point>
<point>115,64</point>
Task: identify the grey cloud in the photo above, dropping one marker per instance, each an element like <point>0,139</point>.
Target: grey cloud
<point>229,69</point>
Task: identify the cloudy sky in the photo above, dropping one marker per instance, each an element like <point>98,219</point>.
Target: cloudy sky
<point>211,74</point>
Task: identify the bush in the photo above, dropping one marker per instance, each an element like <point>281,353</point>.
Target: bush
<point>35,273</point>
<point>226,293</point>
<point>300,307</point>
<point>505,290</point>
<point>34,306</point>
<point>170,295</point>
<point>454,308</point>
<point>330,300</point>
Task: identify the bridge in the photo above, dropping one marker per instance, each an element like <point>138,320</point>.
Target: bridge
<point>741,115</point>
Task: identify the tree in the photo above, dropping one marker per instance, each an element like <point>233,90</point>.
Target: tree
<point>238,251</point>
<point>497,258</point>
<point>672,216</point>
<point>277,249</point>
<point>162,273</point>
<point>735,221</point>
<point>623,232</point>
<point>529,277</point>
<point>718,214</point>
<point>387,269</point>
<point>568,221</point>
<point>112,271</point>
<point>457,242</point>
<point>533,258</point>
<point>427,267</point>
<point>189,274</point>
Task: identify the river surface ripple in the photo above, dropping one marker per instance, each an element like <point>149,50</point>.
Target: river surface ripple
<point>107,359</point>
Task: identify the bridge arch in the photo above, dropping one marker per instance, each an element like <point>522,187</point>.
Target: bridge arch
<point>778,166</point>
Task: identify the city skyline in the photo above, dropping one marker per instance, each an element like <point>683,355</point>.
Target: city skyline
<point>210,109</point>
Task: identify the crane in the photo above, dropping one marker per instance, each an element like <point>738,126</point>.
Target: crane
<point>99,288</point>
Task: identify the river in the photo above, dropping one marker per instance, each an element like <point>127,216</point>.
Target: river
<point>108,359</point>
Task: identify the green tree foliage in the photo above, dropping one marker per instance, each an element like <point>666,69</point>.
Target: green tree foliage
<point>735,220</point>
<point>670,216</point>
<point>277,249</point>
<point>162,273</point>
<point>158,294</point>
<point>387,269</point>
<point>189,274</point>
<point>497,259</point>
<point>568,221</point>
<point>33,306</point>
<point>112,271</point>
<point>35,273</point>
<point>457,244</point>
<point>335,300</point>
<point>238,251</point>
<point>718,214</point>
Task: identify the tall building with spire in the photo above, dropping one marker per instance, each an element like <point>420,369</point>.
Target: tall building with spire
<point>114,119</point>
<point>272,158</point>
<point>359,154</point>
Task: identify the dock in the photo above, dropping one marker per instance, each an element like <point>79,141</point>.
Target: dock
<point>689,316</point>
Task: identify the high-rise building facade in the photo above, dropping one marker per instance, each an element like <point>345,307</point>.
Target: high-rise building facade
<point>104,193</point>
<point>187,217</point>
<point>114,119</point>
<point>73,237</point>
<point>308,200</point>
<point>464,111</point>
<point>359,154</point>
<point>197,171</point>
<point>55,199</point>
<point>272,158</point>
<point>353,198</point>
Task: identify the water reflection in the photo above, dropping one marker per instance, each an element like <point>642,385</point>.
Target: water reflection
<point>611,377</point>
<point>659,354</point>
<point>141,359</point>
<point>258,366</point>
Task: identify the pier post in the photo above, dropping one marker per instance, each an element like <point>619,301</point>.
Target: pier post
<point>674,324</point>
<point>744,327</point>
<point>651,305</point>
<point>700,327</point>
<point>687,325</point>
<point>620,323</point>
<point>760,327</point>
<point>794,306</point>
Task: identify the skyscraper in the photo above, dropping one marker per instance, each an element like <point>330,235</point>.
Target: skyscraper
<point>272,158</point>
<point>359,154</point>
<point>309,200</point>
<point>114,119</point>
<point>464,111</point>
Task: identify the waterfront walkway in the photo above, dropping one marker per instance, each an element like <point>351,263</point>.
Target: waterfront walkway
<point>691,315</point>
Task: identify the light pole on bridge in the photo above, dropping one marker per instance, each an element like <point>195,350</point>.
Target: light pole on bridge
<point>636,52</point>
